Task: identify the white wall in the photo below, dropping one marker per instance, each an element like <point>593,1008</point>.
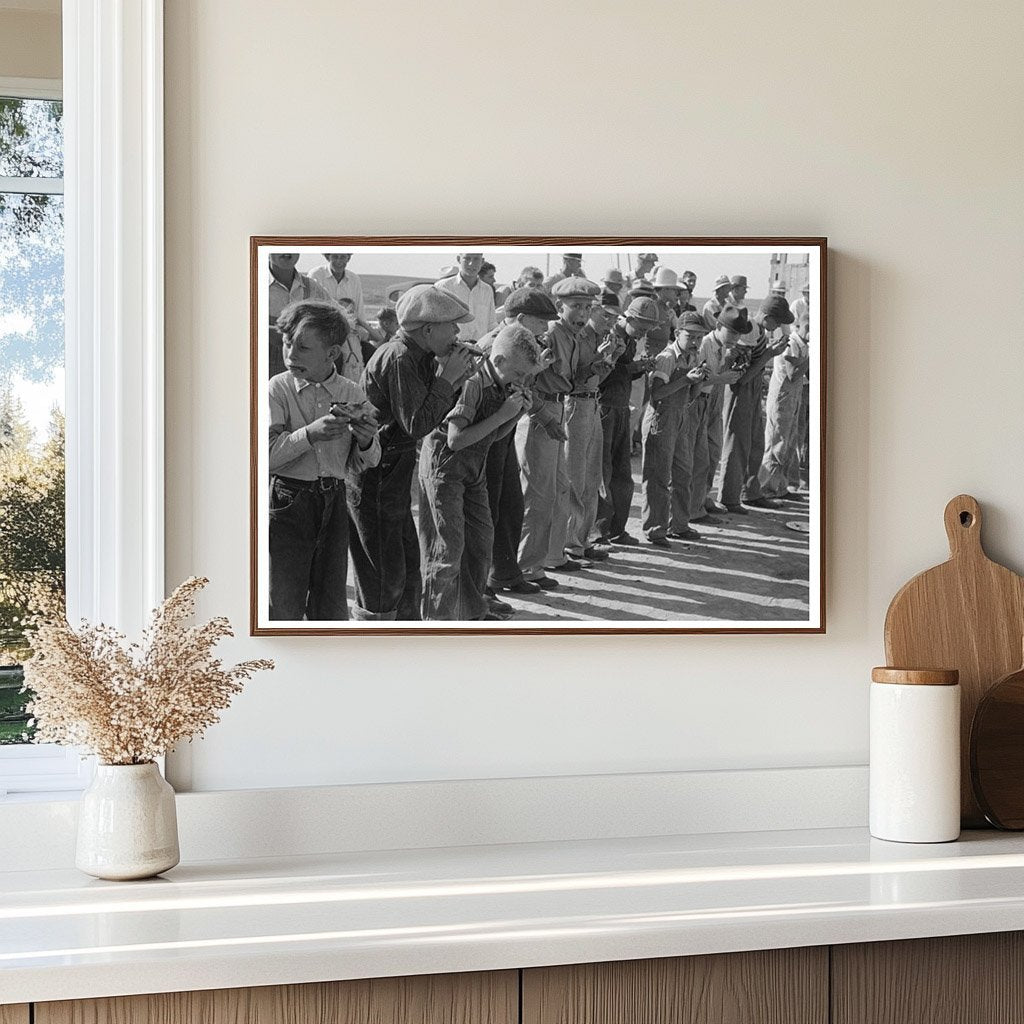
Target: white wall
<point>894,129</point>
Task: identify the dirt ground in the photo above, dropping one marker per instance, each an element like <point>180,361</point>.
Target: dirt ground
<point>750,567</point>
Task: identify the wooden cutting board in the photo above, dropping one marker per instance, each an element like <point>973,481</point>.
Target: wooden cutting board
<point>967,614</point>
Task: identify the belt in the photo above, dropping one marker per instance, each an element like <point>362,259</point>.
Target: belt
<point>584,394</point>
<point>552,396</point>
<point>322,483</point>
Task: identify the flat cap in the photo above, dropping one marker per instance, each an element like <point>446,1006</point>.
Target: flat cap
<point>611,301</point>
<point>723,282</point>
<point>778,309</point>
<point>643,309</point>
<point>692,322</point>
<point>576,288</point>
<point>614,275</point>
<point>530,302</point>
<point>641,286</point>
<point>739,281</point>
<point>572,256</point>
<point>427,304</point>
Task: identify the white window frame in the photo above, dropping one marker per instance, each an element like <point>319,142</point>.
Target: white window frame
<point>114,333</point>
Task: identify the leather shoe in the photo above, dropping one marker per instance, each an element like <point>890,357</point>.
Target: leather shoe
<point>544,583</point>
<point>713,506</point>
<point>736,510</point>
<point>595,554</point>
<point>764,503</point>
<point>569,565</point>
<point>686,534</point>
<point>659,541</point>
<point>499,607</point>
<point>625,538</point>
<point>523,586</point>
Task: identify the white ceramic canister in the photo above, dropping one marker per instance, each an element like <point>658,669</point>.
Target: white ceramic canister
<point>915,755</point>
<point>127,824</point>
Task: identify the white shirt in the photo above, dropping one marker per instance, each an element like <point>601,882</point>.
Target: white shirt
<point>349,287</point>
<point>302,288</point>
<point>294,404</point>
<point>479,298</point>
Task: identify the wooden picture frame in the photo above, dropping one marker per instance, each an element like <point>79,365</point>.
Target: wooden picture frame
<point>787,613</point>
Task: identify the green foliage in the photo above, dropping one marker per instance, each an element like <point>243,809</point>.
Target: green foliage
<point>31,524</point>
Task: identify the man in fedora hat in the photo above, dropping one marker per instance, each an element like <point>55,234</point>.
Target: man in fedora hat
<point>738,291</point>
<point>716,355</point>
<point>572,266</point>
<point>412,382</point>
<point>714,305</point>
<point>616,493</point>
<point>645,263</point>
<point>743,416</point>
<point>614,282</point>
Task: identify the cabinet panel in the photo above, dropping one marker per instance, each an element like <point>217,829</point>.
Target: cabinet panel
<point>14,1014</point>
<point>961,979</point>
<point>778,986</point>
<point>481,998</point>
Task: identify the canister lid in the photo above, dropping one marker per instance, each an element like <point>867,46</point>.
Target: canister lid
<point>916,676</point>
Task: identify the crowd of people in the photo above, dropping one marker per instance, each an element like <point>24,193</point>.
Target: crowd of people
<point>514,412</point>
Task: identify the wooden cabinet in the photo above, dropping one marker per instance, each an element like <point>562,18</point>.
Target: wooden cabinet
<point>491,998</point>
<point>778,986</point>
<point>962,979</point>
<point>967,979</point>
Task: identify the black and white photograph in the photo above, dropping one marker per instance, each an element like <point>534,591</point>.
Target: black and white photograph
<point>537,435</point>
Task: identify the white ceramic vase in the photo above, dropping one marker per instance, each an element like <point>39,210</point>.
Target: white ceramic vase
<point>127,825</point>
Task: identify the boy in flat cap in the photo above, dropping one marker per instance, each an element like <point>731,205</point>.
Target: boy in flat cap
<point>540,437</point>
<point>477,294</point>
<point>616,493</point>
<point>412,382</point>
<point>743,423</point>
<point>716,353</point>
<point>572,266</point>
<point>455,527</point>
<point>597,350</point>
<point>321,432</point>
<point>532,309</point>
<point>668,445</point>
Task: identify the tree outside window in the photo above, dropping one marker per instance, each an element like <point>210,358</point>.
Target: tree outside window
<point>32,532</point>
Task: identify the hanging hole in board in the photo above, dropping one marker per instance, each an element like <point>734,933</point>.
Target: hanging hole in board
<point>966,519</point>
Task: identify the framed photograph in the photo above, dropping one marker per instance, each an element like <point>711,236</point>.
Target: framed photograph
<point>537,435</point>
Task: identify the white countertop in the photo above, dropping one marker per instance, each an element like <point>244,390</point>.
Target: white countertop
<point>225,924</point>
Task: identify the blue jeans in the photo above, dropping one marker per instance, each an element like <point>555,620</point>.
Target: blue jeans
<point>308,551</point>
<point>385,551</point>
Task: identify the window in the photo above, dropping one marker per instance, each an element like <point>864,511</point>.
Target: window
<point>32,515</point>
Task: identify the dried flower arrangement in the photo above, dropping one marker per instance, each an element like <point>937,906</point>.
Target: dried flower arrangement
<point>130,703</point>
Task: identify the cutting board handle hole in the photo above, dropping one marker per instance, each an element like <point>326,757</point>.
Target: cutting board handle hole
<point>966,519</point>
